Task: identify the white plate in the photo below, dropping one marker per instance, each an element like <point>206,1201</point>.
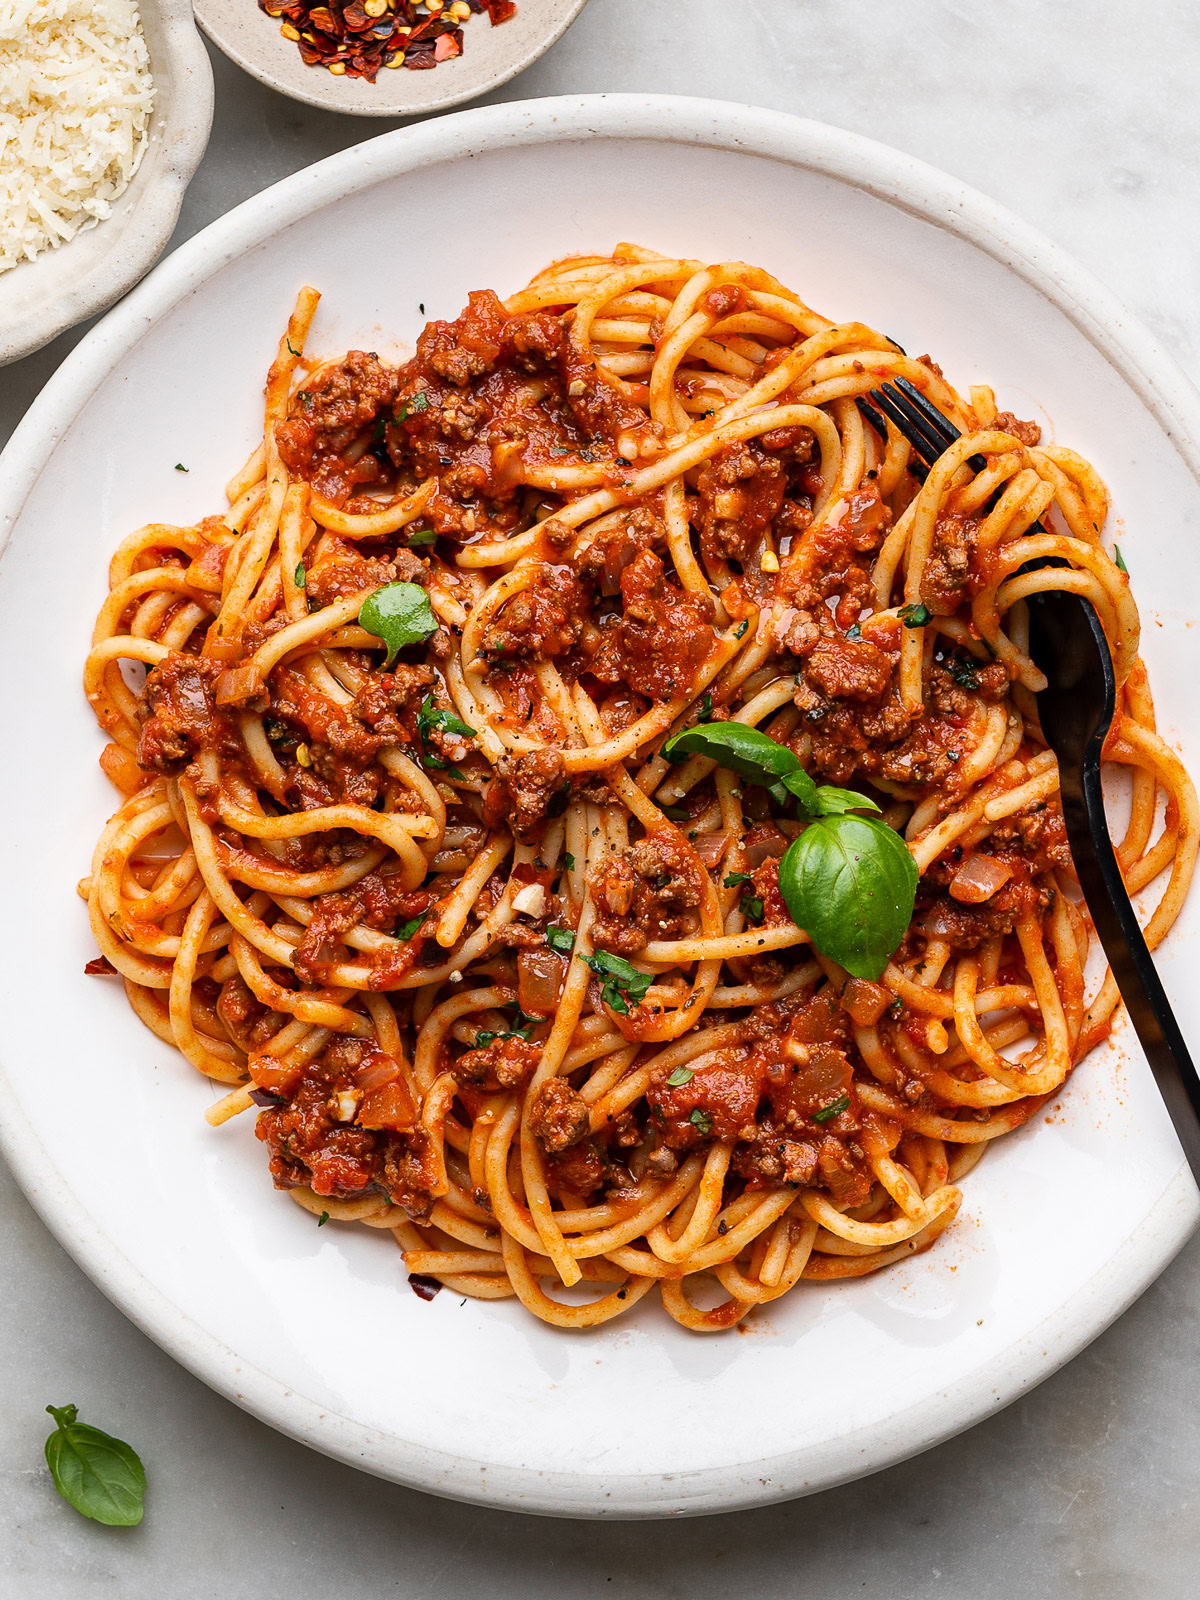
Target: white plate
<point>316,1332</point>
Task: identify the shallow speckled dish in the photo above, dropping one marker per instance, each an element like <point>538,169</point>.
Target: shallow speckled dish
<point>314,1331</point>
<point>41,298</point>
<point>490,57</point>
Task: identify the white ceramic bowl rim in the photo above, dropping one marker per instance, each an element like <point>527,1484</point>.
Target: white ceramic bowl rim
<point>888,175</point>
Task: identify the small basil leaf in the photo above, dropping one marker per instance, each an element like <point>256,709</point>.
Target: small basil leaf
<point>701,1121</point>
<point>430,717</point>
<point>560,940</point>
<point>801,785</point>
<point>407,929</point>
<point>832,802</point>
<point>399,614</point>
<point>679,1077</point>
<point>850,883</point>
<point>99,1475</point>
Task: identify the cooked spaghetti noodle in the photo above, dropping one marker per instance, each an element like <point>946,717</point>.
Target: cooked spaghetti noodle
<point>505,982</point>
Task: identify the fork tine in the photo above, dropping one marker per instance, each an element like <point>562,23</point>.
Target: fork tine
<point>938,424</point>
<point>913,427</point>
<point>915,465</point>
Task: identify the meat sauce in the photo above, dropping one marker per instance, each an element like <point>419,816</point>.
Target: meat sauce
<point>486,398</point>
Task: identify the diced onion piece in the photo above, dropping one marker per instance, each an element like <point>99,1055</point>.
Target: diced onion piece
<point>239,683</point>
<point>530,901</point>
<point>978,878</point>
<point>710,847</point>
<point>379,1070</point>
<point>273,1075</point>
<point>390,1106</point>
<point>539,981</point>
<point>865,1002</point>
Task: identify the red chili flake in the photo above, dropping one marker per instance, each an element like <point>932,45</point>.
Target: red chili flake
<point>343,32</point>
<point>423,1287</point>
<point>100,967</point>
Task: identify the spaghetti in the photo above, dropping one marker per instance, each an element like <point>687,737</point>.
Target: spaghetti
<point>504,981</point>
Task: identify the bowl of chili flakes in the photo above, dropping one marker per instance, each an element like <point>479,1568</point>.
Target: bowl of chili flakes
<point>385,58</point>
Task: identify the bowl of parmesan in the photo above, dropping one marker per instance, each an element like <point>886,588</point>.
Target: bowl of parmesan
<point>105,111</point>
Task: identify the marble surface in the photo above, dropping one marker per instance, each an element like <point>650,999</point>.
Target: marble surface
<point>1082,117</point>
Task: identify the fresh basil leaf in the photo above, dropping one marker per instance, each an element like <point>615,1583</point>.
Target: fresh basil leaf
<point>915,614</point>
<point>300,577</point>
<point>399,614</point>
<point>100,1476</point>
<point>407,929</point>
<point>732,879</point>
<point>827,1113</point>
<point>679,1077</point>
<point>701,1121</point>
<point>833,802</point>
<point>560,940</point>
<point>850,883</point>
<point>421,536</point>
<point>751,908</point>
<point>430,717</point>
<point>736,746</point>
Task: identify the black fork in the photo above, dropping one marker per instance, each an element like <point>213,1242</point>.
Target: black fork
<point>1076,709</point>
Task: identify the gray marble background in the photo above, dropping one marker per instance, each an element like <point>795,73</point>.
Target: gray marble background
<point>1083,117</point>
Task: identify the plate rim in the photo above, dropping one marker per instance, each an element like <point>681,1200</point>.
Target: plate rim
<point>924,192</point>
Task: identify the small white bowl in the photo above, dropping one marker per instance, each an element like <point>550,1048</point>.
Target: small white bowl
<point>490,57</point>
<point>39,299</point>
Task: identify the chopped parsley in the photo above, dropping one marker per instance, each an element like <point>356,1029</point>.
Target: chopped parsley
<point>915,614</point>
<point>732,879</point>
<point>1117,557</point>
<point>832,1109</point>
<point>701,1121</point>
<point>412,407</point>
<point>407,929</point>
<point>741,630</point>
<point>300,577</point>
<point>706,706</point>
<point>421,536</point>
<point>179,467</point>
<point>291,347</point>
<point>963,670</point>
<point>570,861</point>
<point>622,981</point>
<point>679,1077</point>
<point>430,717</point>
<point>322,1219</point>
<point>751,907</point>
<point>560,940</point>
<point>676,813</point>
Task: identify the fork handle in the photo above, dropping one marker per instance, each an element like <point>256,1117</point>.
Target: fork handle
<point>1128,954</point>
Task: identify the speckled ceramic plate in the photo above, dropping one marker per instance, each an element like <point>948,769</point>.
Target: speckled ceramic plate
<point>315,1331</point>
<point>490,57</point>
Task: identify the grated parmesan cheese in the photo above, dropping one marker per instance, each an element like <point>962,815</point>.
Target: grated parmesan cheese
<point>75,101</point>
